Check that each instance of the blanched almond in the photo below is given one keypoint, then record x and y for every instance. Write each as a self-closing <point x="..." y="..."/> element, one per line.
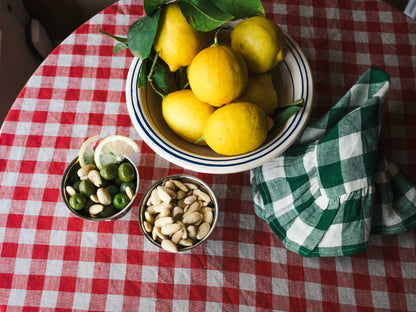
<point x="154" y="198"/>
<point x="202" y="195"/>
<point x="208" y="217"/>
<point x="104" y="196"/>
<point x="169" y="229"/>
<point x="190" y="185"/>
<point x="170" y="185"/>
<point x="70" y="190"/>
<point x="191" y="231"/>
<point x="203" y="230"/>
<point x="186" y="242"/>
<point x="180" y="194"/>
<point x="168" y="245"/>
<point x="177" y="236"/>
<point x="95" y="177"/>
<point x="194" y="207"/>
<point x="129" y="192"/>
<point x="157" y="233"/>
<point x="94" y="198"/>
<point x="163" y="221"/>
<point x="180" y="185"/>
<point x="147" y="226"/>
<point x="191" y="218"/>
<point x="190" y="199"/>
<point x="165" y="194"/>
<point x="95" y="209"/>
<point x="83" y="171"/>
<point x="177" y="212"/>
<point x="149" y="218"/>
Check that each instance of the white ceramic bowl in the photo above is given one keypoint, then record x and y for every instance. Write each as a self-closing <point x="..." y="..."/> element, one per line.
<point x="292" y="79"/>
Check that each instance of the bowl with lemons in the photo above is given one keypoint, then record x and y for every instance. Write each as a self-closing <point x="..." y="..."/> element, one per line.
<point x="102" y="182"/>
<point x="238" y="97"/>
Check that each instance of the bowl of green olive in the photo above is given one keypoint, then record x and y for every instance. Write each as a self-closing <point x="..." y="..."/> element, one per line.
<point x="100" y="194"/>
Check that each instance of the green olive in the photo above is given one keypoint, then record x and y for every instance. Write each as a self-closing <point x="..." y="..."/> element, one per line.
<point x="112" y="189"/>
<point x="120" y="200"/>
<point x="109" y="172"/>
<point x="126" y="172"/>
<point x="76" y="185"/>
<point x="87" y="188"/>
<point x="108" y="211"/>
<point x="117" y="181"/>
<point x="77" y="201"/>
<point x="124" y="185"/>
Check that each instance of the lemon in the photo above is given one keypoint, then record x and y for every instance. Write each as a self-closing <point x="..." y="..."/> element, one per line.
<point x="217" y="75"/>
<point x="86" y="152"/>
<point x="236" y="128"/>
<point x="261" y="42"/>
<point x="260" y="91"/>
<point x="186" y="115"/>
<point x="113" y="149"/>
<point x="176" y="41"/>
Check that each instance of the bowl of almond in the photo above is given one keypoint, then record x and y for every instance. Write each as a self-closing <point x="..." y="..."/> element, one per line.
<point x="178" y="213"/>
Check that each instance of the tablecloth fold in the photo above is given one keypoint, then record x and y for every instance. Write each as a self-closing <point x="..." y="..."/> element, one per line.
<point x="334" y="187"/>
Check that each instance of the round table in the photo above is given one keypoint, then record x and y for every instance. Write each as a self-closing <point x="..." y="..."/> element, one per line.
<point x="52" y="261"/>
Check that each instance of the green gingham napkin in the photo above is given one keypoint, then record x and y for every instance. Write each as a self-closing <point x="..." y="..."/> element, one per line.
<point x="334" y="187"/>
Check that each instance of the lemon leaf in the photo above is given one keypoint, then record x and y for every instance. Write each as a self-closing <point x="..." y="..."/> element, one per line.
<point x="141" y="35"/>
<point x="151" y="6"/>
<point x="119" y="46"/>
<point x="161" y="76"/>
<point x="282" y="114"/>
<point x="120" y="39"/>
<point x="203" y="15"/>
<point x="144" y="72"/>
<point x="241" y="8"/>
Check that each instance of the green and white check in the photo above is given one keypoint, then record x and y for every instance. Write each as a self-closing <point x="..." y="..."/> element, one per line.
<point x="334" y="186"/>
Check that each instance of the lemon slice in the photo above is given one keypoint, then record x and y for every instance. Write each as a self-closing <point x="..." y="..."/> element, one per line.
<point x="86" y="152"/>
<point x="114" y="149"/>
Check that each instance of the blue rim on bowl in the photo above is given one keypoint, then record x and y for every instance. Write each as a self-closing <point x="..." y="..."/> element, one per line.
<point x="293" y="80"/>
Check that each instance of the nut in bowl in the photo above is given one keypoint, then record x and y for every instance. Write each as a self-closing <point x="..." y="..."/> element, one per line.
<point x="178" y="213"/>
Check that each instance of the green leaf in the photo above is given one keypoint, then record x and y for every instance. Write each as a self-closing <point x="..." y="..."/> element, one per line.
<point x="151" y="6"/>
<point x="119" y="46"/>
<point x="144" y="72"/>
<point x="282" y="114"/>
<point x="241" y="8"/>
<point x="161" y="76"/>
<point x="203" y="15"/>
<point x="120" y="39"/>
<point x="141" y="35"/>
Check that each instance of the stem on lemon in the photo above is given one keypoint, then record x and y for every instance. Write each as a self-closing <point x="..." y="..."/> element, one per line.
<point x="297" y="102"/>
<point x="200" y="139"/>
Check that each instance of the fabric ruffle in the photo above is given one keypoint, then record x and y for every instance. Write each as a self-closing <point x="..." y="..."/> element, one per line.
<point x="333" y="188"/>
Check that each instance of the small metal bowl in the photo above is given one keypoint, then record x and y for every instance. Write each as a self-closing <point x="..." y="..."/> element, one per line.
<point x="183" y="178"/>
<point x="70" y="177"/>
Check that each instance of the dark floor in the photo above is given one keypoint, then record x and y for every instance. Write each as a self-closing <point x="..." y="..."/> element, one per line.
<point x="59" y="18"/>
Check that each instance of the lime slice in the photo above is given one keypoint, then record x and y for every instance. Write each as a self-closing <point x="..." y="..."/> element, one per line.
<point x="114" y="149"/>
<point x="86" y="152"/>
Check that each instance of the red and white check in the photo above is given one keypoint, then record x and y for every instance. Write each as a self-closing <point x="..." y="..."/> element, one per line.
<point x="52" y="261"/>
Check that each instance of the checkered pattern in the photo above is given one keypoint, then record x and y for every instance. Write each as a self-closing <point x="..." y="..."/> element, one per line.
<point x="324" y="198"/>
<point x="52" y="261"/>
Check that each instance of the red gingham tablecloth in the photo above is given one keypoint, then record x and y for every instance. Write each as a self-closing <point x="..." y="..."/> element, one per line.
<point x="53" y="261"/>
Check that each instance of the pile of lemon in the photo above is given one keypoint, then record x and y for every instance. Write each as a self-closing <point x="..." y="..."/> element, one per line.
<point x="231" y="95"/>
